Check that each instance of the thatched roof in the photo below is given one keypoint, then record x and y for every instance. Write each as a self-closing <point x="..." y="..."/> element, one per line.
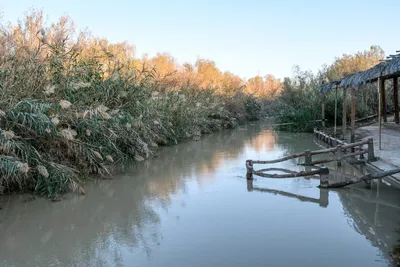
<point x="328" y="86"/>
<point x="392" y="67"/>
<point x="351" y="80"/>
<point x="383" y="69"/>
<point x="374" y="72"/>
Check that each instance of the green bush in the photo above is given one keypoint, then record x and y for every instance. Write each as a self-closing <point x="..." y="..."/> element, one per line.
<point x="299" y="106"/>
<point x="253" y="108"/>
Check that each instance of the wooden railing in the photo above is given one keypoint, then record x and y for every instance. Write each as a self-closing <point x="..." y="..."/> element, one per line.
<point x="347" y="150"/>
<point x="358" y="148"/>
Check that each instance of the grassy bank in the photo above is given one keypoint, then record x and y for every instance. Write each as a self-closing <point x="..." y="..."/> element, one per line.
<point x="67" y="114"/>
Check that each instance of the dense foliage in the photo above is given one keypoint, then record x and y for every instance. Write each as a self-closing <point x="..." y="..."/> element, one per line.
<point x="298" y="106"/>
<point x="75" y="106"/>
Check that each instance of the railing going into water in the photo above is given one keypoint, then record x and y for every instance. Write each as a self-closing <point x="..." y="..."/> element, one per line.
<point x="360" y="146"/>
<point x="354" y="149"/>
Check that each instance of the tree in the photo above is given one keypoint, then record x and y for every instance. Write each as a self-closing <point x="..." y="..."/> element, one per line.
<point x="164" y="65"/>
<point x="347" y="64"/>
<point x="208" y="75"/>
<point x="267" y="86"/>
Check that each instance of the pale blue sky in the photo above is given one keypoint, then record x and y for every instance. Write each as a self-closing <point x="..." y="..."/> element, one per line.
<point x="246" y="37"/>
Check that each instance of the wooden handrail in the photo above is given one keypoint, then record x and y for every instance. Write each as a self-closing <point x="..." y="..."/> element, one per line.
<point x="360" y="152"/>
<point x="357" y="150"/>
<point x="316" y="152"/>
<point x="332" y="140"/>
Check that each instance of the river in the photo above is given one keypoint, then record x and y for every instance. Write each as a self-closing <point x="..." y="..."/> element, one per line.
<point x="192" y="206"/>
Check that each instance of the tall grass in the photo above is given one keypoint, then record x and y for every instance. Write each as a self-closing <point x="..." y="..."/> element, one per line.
<point x="63" y="117"/>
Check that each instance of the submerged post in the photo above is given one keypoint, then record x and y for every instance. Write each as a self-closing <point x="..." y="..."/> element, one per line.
<point x="249" y="168"/>
<point x="308" y="157"/>
<point x="324" y="177"/>
<point x="250" y="185"/>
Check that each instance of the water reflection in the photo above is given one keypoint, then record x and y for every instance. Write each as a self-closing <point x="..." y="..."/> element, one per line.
<point x="323" y="199"/>
<point x="86" y="230"/>
<point x="265" y="141"/>
<point x="375" y="214"/>
<point x="190" y="202"/>
<point x="114" y="215"/>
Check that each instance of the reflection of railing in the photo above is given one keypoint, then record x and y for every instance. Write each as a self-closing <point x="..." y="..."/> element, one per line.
<point x="323" y="199"/>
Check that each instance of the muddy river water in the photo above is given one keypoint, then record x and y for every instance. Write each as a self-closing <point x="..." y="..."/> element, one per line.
<point x="192" y="206"/>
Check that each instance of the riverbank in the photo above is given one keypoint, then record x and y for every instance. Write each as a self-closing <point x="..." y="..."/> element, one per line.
<point x="50" y="148"/>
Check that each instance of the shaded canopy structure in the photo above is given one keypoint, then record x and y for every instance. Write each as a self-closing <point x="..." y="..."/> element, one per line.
<point x="387" y="69"/>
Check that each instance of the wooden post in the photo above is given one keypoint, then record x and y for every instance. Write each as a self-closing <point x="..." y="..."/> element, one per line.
<point x="250" y="185"/>
<point x="249" y="168"/>
<point x="344" y="113"/>
<point x="324" y="177"/>
<point x="383" y="99"/>
<point x="308" y="157"/>
<point x="323" y="111"/>
<point x="338" y="161"/>
<point x="362" y="155"/>
<point x="334" y="128"/>
<point x="396" y="100"/>
<point x="371" y="154"/>
<point x="353" y="115"/>
<point x="380" y="111"/>
<point x="368" y="184"/>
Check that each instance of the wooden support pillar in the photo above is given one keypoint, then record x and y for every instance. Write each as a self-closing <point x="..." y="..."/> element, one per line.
<point x="344" y="120"/>
<point x="353" y="115"/>
<point x="308" y="157"/>
<point x="396" y="99"/>
<point x="383" y="99"/>
<point x="380" y="111"/>
<point x="323" y="111"/>
<point x="371" y="154"/>
<point x="334" y="128"/>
